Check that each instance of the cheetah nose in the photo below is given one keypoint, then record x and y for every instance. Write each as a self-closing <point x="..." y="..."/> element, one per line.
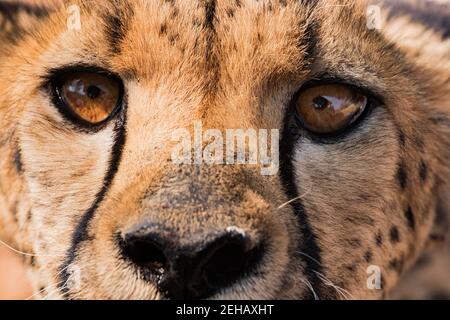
<point x="193" y="271"/>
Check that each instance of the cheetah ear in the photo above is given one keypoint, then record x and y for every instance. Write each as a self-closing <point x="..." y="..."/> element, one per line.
<point x="18" y="16"/>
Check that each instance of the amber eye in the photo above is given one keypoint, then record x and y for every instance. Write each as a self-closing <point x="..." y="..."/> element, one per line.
<point x="91" y="97"/>
<point x="325" y="109"/>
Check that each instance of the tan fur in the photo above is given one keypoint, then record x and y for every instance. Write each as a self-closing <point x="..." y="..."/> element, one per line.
<point x="240" y="73"/>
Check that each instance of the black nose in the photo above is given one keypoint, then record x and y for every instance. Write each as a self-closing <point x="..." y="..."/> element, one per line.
<point x="192" y="271"/>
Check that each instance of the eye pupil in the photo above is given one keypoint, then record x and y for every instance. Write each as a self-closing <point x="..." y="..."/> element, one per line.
<point x="93" y="92"/>
<point x="320" y="103"/>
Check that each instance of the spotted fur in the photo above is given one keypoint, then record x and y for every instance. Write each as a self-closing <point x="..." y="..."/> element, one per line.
<point x="368" y="197"/>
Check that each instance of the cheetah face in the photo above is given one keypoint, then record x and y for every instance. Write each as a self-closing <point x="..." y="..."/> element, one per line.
<point x="91" y="115"/>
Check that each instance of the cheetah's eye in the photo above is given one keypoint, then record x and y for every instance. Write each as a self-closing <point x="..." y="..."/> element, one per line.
<point x="90" y="97"/>
<point x="326" y="109"/>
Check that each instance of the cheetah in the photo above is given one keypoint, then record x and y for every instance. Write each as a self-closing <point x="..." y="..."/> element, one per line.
<point x="93" y="91"/>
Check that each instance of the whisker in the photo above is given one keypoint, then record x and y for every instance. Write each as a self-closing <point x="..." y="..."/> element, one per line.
<point x="37" y="293"/>
<point x="308" y="256"/>
<point x="41" y="291"/>
<point x="52" y="285"/>
<point x="295" y="199"/>
<point x="29" y="254"/>
<point x="309" y="285"/>
<point x="344" y="293"/>
<point x="56" y="290"/>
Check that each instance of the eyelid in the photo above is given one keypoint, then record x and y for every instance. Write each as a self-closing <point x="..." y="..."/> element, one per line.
<point x="373" y="92"/>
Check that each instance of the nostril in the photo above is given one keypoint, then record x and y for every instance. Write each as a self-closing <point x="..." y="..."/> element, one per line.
<point x="195" y="272"/>
<point x="229" y="262"/>
<point x="147" y="254"/>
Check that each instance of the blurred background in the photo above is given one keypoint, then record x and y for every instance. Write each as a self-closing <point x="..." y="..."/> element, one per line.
<point x="13" y="283"/>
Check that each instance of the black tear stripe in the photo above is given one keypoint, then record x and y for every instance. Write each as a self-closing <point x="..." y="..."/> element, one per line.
<point x="81" y="232"/>
<point x="308" y="245"/>
<point x="289" y="137"/>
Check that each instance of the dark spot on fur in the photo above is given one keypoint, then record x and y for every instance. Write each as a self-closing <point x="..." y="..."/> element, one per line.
<point x="440" y="120"/>
<point x="117" y="24"/>
<point x="210" y="11"/>
<point x="351" y="268"/>
<point x="174" y="13"/>
<point x="393" y="264"/>
<point x="114" y="33"/>
<point x="402" y="176"/>
<point x="394" y="235"/>
<point x="173" y="38"/>
<point x="354" y="242"/>
<point x="18" y="161"/>
<point x="230" y="12"/>
<point x="402" y="138"/>
<point x="437" y="238"/>
<point x="397" y="264"/>
<point x="423" y="171"/>
<point x="379" y="239"/>
<point x="163" y="29"/>
<point x="368" y="256"/>
<point x="32" y="261"/>
<point x="382" y="282"/>
<point x="259" y="37"/>
<point x="364" y="196"/>
<point x="410" y="217"/>
<point x="29" y="215"/>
